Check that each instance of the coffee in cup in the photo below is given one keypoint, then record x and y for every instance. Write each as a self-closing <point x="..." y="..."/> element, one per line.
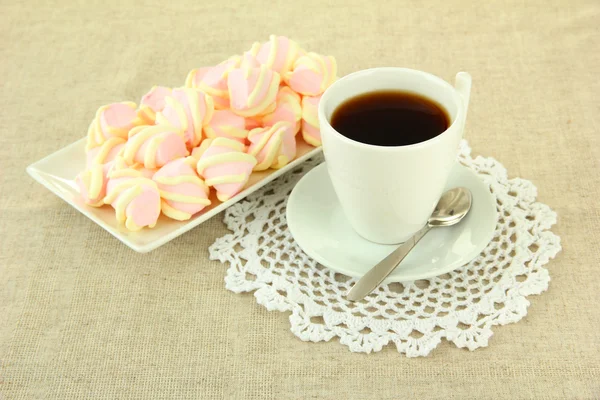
<point x="390" y="118"/>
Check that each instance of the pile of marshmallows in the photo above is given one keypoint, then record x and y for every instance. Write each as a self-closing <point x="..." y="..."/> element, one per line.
<point x="239" y="116"/>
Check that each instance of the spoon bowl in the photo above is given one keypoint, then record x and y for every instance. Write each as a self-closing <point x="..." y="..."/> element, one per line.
<point x="451" y="208"/>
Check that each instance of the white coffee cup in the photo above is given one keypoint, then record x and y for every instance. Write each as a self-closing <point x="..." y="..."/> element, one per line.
<point x="388" y="193"/>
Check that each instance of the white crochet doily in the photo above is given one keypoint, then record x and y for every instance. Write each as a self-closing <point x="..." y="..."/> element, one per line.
<point x="461" y="306"/>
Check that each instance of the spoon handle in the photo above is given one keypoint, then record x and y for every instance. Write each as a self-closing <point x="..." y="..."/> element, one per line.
<point x="379" y="272"/>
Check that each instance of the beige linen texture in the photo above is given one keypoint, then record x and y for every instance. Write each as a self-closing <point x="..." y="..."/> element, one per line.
<point x="84" y="317"/>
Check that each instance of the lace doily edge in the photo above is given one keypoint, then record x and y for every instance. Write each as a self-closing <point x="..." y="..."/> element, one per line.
<point x="380" y="334"/>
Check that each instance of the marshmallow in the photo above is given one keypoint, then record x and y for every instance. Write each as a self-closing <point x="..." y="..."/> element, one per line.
<point x="112" y="120"/>
<point x="312" y="74"/>
<point x="153" y="102"/>
<point x="224" y="165"/>
<point x="154" y="145"/>
<point x="92" y="184"/>
<point x="225" y="123"/>
<point x="278" y="54"/>
<point x="274" y="146"/>
<point x="136" y="199"/>
<point x="252" y="91"/>
<point x="182" y="192"/>
<point x="188" y="110"/>
<point x="287" y="108"/>
<point x="213" y="81"/>
<point x="310" y="121"/>
<point x="106" y="152"/>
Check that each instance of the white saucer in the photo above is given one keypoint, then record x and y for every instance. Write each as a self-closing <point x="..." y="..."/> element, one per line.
<point x="318" y="225"/>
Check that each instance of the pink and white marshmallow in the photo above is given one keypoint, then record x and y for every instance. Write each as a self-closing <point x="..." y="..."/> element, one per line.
<point x="287" y="108"/>
<point x="106" y="152"/>
<point x="92" y="183"/>
<point x="278" y="54"/>
<point x="112" y="120"/>
<point x="312" y="74"/>
<point x="188" y="110"/>
<point x="136" y="199"/>
<point x="213" y="81"/>
<point x="225" y="123"/>
<point x="311" y="132"/>
<point x="273" y="146"/>
<point x="182" y="192"/>
<point x="152" y="103"/>
<point x="252" y="91"/>
<point x="154" y="145"/>
<point x="194" y="77"/>
<point x="224" y="165"/>
<point x="249" y="59"/>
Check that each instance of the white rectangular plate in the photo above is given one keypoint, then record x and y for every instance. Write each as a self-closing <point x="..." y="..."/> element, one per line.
<point x="58" y="171"/>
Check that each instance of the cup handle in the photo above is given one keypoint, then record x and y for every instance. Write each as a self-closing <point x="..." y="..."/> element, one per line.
<point x="462" y="84"/>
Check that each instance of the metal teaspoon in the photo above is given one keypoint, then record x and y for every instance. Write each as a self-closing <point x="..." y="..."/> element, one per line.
<point x="450" y="210"/>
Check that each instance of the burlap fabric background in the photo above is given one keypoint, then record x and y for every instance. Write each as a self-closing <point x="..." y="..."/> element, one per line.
<point x="82" y="316"/>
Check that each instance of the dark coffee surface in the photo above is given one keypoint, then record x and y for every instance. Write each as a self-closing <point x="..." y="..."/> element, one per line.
<point x="390" y="118"/>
